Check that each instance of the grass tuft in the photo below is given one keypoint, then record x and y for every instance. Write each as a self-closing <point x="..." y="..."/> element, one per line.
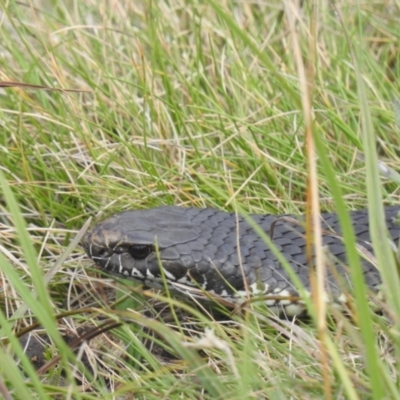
<point x="197" y="104"/>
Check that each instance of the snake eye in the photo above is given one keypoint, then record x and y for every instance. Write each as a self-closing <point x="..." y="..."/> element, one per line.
<point x="139" y="252"/>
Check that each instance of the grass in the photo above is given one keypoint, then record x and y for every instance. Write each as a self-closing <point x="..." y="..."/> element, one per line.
<point x="197" y="104"/>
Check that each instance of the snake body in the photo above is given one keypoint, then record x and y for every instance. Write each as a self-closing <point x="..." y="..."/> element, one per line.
<point x="222" y="254"/>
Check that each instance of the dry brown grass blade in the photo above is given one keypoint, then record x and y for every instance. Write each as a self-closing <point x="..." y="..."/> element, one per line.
<point x="11" y="84"/>
<point x="78" y="340"/>
<point x="314" y="231"/>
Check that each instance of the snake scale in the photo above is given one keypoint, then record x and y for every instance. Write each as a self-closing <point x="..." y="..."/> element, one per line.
<point x="221" y="254"/>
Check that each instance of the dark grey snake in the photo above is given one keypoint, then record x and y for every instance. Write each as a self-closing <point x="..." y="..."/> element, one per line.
<point x="198" y="250"/>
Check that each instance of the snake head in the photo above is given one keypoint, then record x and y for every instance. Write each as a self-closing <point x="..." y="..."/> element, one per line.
<point x="133" y="244"/>
<point x="188" y="246"/>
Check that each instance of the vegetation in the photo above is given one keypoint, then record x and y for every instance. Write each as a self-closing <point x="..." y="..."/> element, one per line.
<point x="205" y="104"/>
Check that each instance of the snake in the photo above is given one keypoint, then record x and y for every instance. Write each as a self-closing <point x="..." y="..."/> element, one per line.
<point x="224" y="255"/>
